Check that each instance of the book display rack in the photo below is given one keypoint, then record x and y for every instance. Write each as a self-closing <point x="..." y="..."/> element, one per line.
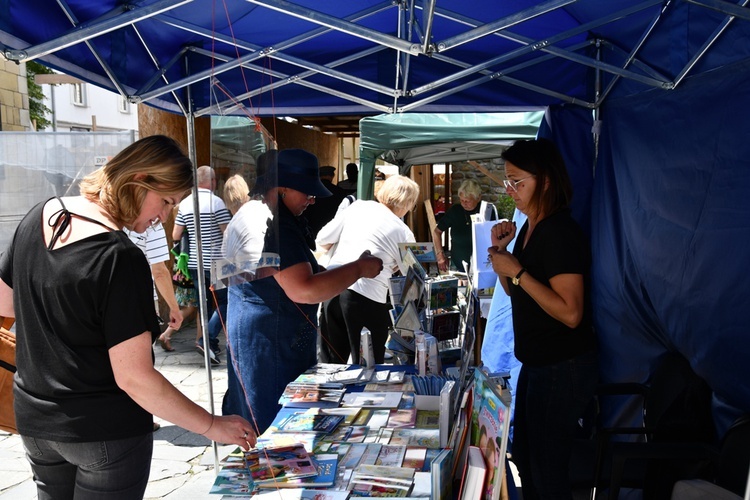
<point x="382" y="439"/>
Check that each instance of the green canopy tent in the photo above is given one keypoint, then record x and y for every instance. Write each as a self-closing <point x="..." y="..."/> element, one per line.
<point x="420" y="138"/>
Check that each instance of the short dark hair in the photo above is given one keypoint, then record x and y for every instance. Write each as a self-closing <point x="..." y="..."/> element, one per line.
<point x="541" y="158"/>
<point x="352" y="171"/>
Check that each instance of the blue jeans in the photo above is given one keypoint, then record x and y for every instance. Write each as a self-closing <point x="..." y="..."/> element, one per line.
<point x="116" y="469"/>
<point x="549" y="401"/>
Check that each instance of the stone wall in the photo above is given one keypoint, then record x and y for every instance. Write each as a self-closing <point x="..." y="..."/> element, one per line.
<point x="14" y="97"/>
<point x="492" y="189"/>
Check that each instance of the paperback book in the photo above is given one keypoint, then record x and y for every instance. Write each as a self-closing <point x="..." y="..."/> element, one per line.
<point x="310" y="422"/>
<point x="372" y="399"/>
<point x="326" y="465"/>
<point x="426" y="438"/>
<point x="381" y="481"/>
<point x="274" y="463"/>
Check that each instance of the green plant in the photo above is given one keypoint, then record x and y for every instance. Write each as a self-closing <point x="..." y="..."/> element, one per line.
<point x="505" y="207"/>
<point x="37" y="108"/>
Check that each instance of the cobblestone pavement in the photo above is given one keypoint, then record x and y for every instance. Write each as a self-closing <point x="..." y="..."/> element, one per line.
<point x="183" y="463"/>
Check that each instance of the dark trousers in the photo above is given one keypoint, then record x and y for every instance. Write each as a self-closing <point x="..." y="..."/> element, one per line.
<point x="116" y="469"/>
<point x="341" y="321"/>
<point x="549" y="401"/>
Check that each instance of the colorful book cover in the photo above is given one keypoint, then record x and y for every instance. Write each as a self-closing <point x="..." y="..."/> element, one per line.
<point x="430" y="456"/>
<point x="491" y="422"/>
<point x="303" y="494"/>
<point x="402" y="418"/>
<point x="284" y="462"/>
<point x="443" y="293"/>
<point x="310" y="422"/>
<point x="423" y="251"/>
<point x="349" y="414"/>
<point x="326" y="465"/>
<point x="233" y="482"/>
<point x="427" y="438"/>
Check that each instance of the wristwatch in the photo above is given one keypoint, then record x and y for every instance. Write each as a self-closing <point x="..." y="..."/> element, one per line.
<point x="515" y="280"/>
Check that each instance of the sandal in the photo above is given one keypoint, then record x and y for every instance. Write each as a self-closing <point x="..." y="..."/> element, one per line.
<point x="165" y="343"/>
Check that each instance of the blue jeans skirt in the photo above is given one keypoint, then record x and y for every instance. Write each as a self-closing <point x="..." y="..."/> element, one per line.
<point x="271" y="341"/>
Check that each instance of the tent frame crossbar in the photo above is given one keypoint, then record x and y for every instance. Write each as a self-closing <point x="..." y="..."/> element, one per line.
<point x="114" y="20"/>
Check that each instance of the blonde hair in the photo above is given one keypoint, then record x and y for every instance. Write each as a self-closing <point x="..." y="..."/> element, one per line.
<point x="398" y="193"/>
<point x="160" y="165"/>
<point x="470" y="188"/>
<point x="236" y="193"/>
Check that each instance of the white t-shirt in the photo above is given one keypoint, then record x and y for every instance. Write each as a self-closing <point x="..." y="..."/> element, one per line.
<point x="367" y="225"/>
<point x="153" y="244"/>
<point x="243" y="238"/>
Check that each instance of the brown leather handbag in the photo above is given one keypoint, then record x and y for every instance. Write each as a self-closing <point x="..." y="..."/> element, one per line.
<point x="7" y="369"/>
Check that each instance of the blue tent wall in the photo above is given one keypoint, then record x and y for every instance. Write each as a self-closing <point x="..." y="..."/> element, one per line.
<point x="671" y="238"/>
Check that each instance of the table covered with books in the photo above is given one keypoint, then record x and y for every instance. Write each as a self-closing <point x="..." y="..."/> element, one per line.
<point x="347" y="431"/>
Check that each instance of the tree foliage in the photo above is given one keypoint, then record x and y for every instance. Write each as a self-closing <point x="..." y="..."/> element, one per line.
<point x="37" y="108"/>
<point x="505" y="207"/>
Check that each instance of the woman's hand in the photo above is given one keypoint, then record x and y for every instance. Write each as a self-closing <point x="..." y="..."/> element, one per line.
<point x="502" y="234"/>
<point x="503" y="262"/>
<point x="369" y="265"/>
<point x="231" y="429"/>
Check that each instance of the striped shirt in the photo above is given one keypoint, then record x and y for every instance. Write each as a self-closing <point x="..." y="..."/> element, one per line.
<point x="153" y="243"/>
<point x="213" y="214"/>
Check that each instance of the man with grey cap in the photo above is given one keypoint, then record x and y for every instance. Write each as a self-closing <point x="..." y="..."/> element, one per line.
<point x="273" y="336"/>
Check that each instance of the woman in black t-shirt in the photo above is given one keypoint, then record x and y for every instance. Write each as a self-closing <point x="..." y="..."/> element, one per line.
<point x="548" y="280"/>
<point x="82" y="295"/>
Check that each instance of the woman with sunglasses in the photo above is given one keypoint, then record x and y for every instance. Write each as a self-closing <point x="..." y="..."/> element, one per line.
<point x="548" y="280"/>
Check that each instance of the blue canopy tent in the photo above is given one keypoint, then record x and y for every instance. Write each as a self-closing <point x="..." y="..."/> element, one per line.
<point x="646" y="98"/>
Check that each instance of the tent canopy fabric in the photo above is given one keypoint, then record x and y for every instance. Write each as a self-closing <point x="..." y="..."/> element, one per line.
<point x="305" y="57"/>
<point x="663" y="181"/>
<point x="408" y="139"/>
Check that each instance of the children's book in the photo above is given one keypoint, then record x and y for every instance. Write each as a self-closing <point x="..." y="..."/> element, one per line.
<point x="424" y="251"/>
<point x="310" y="422"/>
<point x="372" y="399"/>
<point x="490" y="419"/>
<point x="326" y="465"/>
<point x="284" y="462"/>
<point x="381" y="481"/>
<point x="443" y="293"/>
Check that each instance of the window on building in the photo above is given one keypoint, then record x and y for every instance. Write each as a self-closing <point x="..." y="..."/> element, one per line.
<point x="124" y="105"/>
<point x="79" y="94"/>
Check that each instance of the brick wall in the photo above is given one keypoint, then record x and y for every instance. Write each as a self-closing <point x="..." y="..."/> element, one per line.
<point x="14" y="97"/>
